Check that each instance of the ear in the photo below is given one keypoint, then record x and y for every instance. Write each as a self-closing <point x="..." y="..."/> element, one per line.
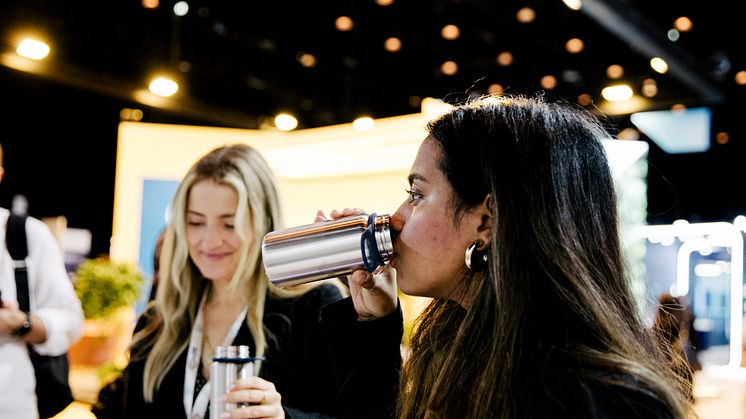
<point x="486" y="215"/>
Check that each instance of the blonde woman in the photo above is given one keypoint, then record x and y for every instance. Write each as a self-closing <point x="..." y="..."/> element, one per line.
<point x="213" y="292"/>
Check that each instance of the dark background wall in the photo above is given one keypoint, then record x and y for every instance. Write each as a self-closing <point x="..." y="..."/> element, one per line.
<point x="59" y="148"/>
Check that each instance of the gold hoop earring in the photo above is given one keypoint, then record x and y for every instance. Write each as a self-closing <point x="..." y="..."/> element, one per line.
<point x="475" y="259"/>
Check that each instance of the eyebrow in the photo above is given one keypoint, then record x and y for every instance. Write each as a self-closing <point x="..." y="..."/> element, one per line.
<point x="192" y="212"/>
<point x="416" y="176"/>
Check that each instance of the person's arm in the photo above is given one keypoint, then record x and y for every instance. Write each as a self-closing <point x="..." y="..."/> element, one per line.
<point x="56" y="314"/>
<point x="23" y="326"/>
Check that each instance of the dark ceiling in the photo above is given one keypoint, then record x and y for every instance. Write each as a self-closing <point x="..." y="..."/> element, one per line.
<point x="239" y="63"/>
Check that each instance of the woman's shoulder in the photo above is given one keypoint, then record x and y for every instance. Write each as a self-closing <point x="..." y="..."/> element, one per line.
<point x="618" y="398"/>
<point x="622" y="401"/>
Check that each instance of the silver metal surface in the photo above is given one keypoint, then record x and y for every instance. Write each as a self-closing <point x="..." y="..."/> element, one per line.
<point x="231" y="374"/>
<point x="230" y="364"/>
<point x="322" y="250"/>
<point x="218" y="380"/>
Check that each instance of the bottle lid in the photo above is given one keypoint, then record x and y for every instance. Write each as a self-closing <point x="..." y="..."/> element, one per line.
<point x="243" y="351"/>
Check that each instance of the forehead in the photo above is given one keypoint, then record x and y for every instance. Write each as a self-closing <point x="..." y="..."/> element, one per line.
<point x="427" y="162"/>
<point x="207" y="195"/>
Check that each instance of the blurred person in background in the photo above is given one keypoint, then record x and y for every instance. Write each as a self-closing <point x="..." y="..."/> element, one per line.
<point x="53" y="323"/>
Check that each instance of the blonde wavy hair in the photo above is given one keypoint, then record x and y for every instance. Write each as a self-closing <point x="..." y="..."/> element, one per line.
<point x="180" y="288"/>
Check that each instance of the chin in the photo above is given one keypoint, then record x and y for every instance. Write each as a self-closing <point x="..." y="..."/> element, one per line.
<point x="214" y="275"/>
<point x="407" y="287"/>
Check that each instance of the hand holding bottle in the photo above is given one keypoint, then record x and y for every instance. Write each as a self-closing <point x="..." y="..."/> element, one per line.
<point x="373" y="294"/>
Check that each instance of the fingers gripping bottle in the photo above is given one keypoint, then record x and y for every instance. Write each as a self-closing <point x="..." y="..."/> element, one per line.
<point x="229" y="364"/>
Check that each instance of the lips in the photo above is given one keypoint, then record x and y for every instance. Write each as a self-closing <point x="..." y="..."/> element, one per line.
<point x="391" y="260"/>
<point x="215" y="256"/>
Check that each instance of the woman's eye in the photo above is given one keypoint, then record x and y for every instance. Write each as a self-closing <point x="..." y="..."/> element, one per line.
<point x="195" y="223"/>
<point x="229" y="226"/>
<point x="413" y="196"/>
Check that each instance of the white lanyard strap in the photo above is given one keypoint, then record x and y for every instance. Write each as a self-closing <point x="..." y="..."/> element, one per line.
<point x="198" y="409"/>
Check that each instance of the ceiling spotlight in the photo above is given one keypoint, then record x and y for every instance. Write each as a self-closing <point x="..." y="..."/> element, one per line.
<point x="659" y="64"/>
<point x="450" y="32"/>
<point x="344" y="24"/>
<point x="548" y="82"/>
<point x="722" y="138"/>
<point x="573" y="4"/>
<point x="505" y="58"/>
<point x="184" y="66"/>
<point x="31" y="48"/>
<point x="128" y="114"/>
<point x="392" y="44"/>
<point x="525" y="15"/>
<point x="741" y="77"/>
<point x="649" y="88"/>
<point x="181" y="8"/>
<point x="584" y="99"/>
<point x="673" y="35"/>
<point x="150" y="4"/>
<point x="163" y="86"/>
<point x="364" y="123"/>
<point x="306" y="60"/>
<point x="614" y="71"/>
<point x="617" y="93"/>
<point x="683" y="24"/>
<point x="449" y="68"/>
<point x="495" y="89"/>
<point x="384" y="2"/>
<point x="574" y="45"/>
<point x="285" y="122"/>
<point x="572" y="76"/>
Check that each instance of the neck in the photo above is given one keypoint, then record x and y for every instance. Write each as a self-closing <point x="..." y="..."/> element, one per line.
<point x="220" y="294"/>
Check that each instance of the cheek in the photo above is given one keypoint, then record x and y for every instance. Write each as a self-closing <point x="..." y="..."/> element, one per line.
<point x="434" y="238"/>
<point x="439" y="233"/>
<point x="234" y="242"/>
<point x="192" y="236"/>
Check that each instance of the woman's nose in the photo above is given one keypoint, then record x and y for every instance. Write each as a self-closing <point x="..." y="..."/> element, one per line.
<point x="213" y="237"/>
<point x="398" y="219"/>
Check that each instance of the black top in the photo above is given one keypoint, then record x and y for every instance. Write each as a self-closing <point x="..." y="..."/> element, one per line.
<point x="575" y="397"/>
<point x="341" y="367"/>
<point x="338" y="367"/>
<point x="566" y="389"/>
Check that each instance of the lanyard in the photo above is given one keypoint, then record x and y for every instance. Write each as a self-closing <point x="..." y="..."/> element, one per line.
<point x="194" y="354"/>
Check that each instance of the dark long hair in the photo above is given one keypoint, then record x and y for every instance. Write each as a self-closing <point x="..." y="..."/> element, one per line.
<point x="553" y="306"/>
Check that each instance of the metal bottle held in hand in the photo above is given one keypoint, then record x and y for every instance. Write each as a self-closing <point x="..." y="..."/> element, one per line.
<point x="229" y="364"/>
<point x="327" y="249"/>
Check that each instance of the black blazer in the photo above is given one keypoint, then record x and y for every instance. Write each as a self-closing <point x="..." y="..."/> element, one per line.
<point x="333" y="367"/>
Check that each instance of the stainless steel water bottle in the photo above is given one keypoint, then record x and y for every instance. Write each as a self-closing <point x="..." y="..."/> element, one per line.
<point x="327" y="249"/>
<point x="218" y="381"/>
<point x="229" y="364"/>
<point x="231" y="371"/>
